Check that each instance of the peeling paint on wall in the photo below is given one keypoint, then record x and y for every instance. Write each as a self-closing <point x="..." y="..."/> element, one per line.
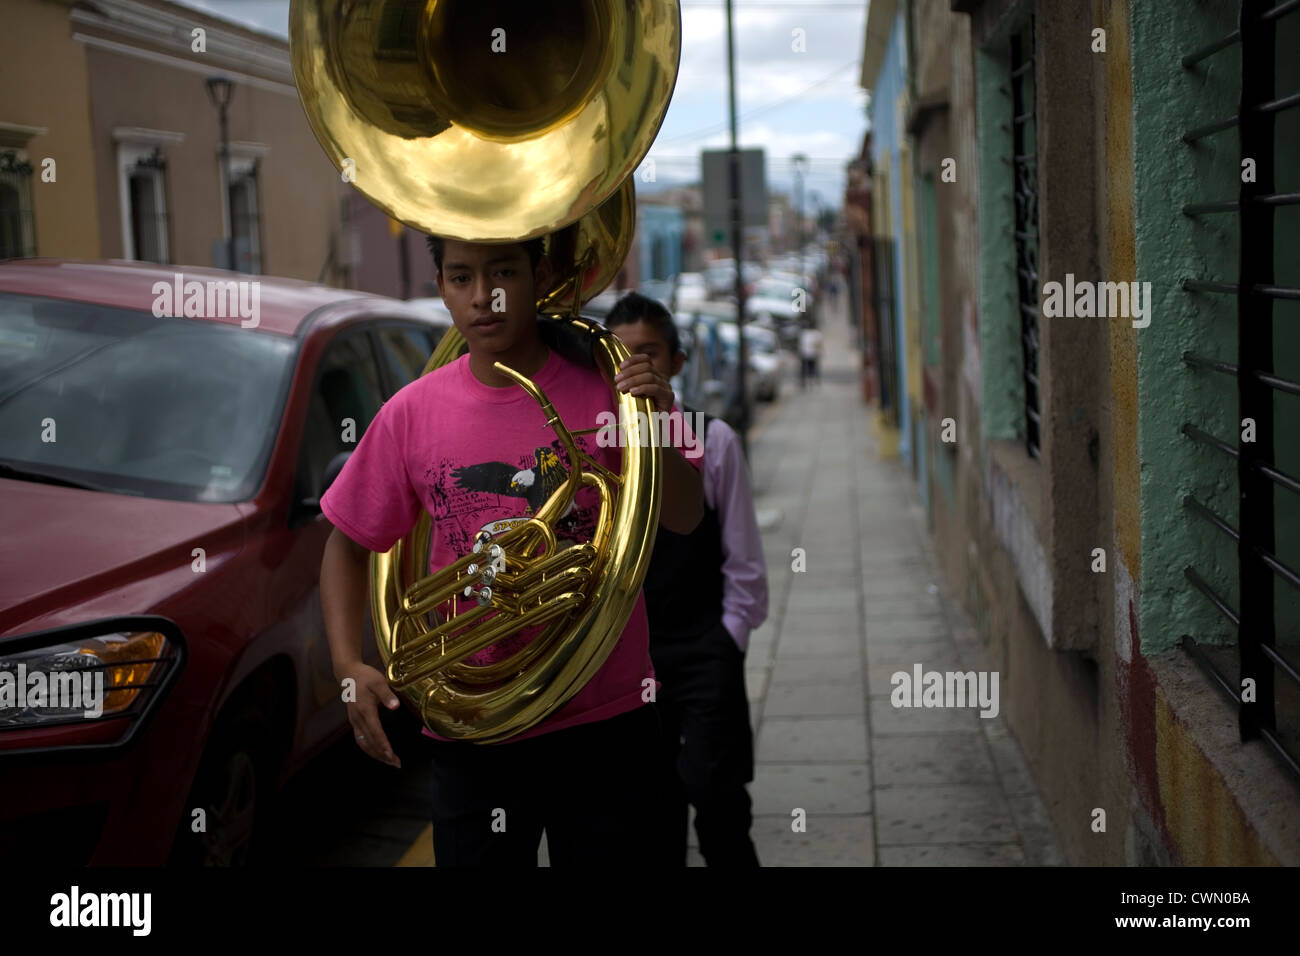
<point x="1015" y="529"/>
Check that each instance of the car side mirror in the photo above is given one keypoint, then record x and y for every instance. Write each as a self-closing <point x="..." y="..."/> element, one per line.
<point x="332" y="471"/>
<point x="312" y="505"/>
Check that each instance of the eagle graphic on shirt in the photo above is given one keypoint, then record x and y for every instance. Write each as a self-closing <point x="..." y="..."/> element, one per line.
<point x="532" y="482"/>
<point x="535" y="485"/>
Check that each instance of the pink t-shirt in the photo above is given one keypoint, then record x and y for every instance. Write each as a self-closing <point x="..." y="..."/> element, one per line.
<point x="474" y="456"/>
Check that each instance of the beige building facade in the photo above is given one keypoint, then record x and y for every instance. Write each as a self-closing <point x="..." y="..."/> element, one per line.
<point x="116" y="94"/>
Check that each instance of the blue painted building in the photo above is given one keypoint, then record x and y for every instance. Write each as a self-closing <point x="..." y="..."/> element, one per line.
<point x="885" y="72"/>
<point x="660" y="231"/>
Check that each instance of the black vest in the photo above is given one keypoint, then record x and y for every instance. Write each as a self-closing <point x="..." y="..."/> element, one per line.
<point x="683" y="586"/>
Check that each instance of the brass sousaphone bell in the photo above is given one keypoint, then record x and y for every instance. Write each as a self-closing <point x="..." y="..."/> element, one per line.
<point x="503" y="122"/>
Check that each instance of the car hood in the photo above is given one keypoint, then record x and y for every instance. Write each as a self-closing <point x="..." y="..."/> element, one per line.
<point x="762" y="303"/>
<point x="72" y="554"/>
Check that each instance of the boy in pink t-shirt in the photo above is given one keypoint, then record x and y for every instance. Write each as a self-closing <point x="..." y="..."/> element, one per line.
<point x="474" y="450"/>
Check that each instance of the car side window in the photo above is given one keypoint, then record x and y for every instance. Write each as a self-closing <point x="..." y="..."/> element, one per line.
<point x="347" y="390"/>
<point x="406" y="349"/>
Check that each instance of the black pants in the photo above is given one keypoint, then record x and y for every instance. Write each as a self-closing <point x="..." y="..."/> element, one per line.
<point x="707" y="750"/>
<point x="808" y="371"/>
<point x="591" y="787"/>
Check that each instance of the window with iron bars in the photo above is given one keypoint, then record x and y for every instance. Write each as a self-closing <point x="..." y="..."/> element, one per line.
<point x="884" y="302"/>
<point x="243" y="198"/>
<point x="17" y="230"/>
<point x="147" y="208"/>
<point x="1024" y="131"/>
<point x="1262" y="388"/>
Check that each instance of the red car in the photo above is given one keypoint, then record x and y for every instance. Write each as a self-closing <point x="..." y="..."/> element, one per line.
<point x="160" y="526"/>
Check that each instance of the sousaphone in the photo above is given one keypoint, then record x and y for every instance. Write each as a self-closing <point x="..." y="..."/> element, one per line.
<point x="503" y="122"/>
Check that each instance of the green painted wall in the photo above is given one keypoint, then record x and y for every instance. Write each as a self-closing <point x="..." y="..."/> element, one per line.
<point x="1168" y="100"/>
<point x="945" y="471"/>
<point x="1003" y="400"/>
<point x="1286" y="324"/>
<point x="930" y="269"/>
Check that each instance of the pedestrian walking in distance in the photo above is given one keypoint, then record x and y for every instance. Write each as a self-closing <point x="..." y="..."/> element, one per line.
<point x="810" y="350"/>
<point x="705" y="591"/>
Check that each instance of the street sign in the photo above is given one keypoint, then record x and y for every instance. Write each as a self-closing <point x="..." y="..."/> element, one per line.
<point x="716" y="186"/>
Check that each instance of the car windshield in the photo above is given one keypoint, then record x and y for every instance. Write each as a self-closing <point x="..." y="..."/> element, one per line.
<point x="118" y="400"/>
<point x="755" y="339"/>
<point x="716" y="310"/>
<point x="773" y="289"/>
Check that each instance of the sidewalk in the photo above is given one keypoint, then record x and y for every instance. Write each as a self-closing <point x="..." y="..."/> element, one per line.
<point x="879" y="785"/>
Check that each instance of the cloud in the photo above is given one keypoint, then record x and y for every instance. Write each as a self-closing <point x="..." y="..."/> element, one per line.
<point x="266" y="17"/>
<point x="824" y="118"/>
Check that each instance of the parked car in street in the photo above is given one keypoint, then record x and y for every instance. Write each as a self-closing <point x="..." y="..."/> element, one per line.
<point x="160" y="480"/>
<point x="599" y="306"/>
<point x="782" y="264"/>
<point x="661" y="290"/>
<point x="766" y="360"/>
<point x="720" y="276"/>
<point x="689" y="289"/>
<point x="790" y="279"/>
<point x="435" y="307"/>
<point x="776" y="304"/>
<point x="706" y="320"/>
<point x="701" y="384"/>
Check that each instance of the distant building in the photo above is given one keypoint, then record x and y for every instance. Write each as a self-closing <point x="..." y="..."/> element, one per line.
<point x="110" y="148"/>
<point x="885" y="73"/>
<point x="860" y="269"/>
<point x="661" y="231"/>
<point x="782" y="224"/>
<point x="689" y="201"/>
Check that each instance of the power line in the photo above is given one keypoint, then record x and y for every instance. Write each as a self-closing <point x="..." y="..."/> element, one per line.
<point x="820" y="165"/>
<point x="719" y="127"/>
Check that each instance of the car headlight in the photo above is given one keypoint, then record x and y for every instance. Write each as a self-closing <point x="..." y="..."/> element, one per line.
<point x="114" y="668"/>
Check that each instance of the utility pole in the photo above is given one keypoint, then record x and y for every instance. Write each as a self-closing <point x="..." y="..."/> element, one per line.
<point x="737" y="246"/>
<point x="800" y="162"/>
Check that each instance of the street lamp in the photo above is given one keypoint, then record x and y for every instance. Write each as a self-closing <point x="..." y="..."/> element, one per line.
<point x="800" y="163"/>
<point x="220" y="89"/>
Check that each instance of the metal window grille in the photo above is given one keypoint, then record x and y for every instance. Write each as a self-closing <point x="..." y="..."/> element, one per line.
<point x="883" y="301"/>
<point x="1024" y="132"/>
<point x="1256" y="290"/>
<point x="148" y="207"/>
<point x="17" y="227"/>
<point x="247" y="227"/>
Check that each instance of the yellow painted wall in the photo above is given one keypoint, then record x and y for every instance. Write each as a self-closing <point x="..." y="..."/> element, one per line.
<point x="1204" y="821"/>
<point x="45" y="76"/>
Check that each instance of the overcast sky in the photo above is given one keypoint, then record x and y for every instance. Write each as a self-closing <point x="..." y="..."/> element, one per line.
<point x="789" y="102"/>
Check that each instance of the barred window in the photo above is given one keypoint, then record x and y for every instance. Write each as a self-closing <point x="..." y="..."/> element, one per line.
<point x="244" y="200"/>
<point x="17" y="230"/>
<point x="144" y="212"/>
<point x="1024" y="130"/>
<point x="1264" y="449"/>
